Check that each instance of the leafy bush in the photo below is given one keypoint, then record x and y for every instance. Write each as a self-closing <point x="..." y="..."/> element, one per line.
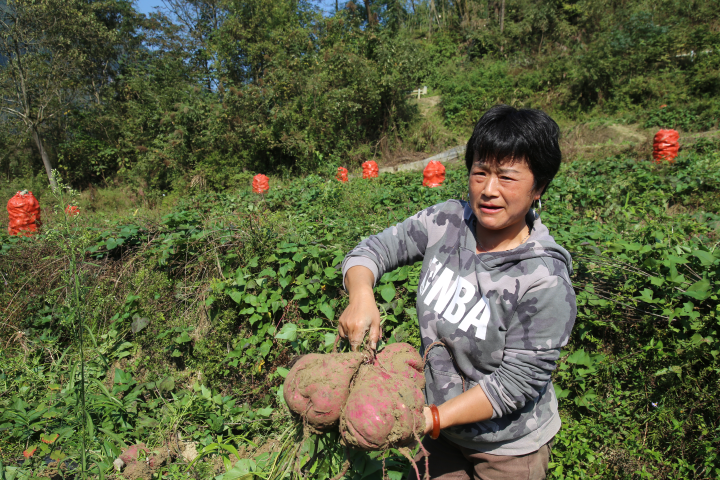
<point x="194" y="316"/>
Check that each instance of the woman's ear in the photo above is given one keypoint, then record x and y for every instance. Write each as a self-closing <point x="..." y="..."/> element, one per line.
<point x="539" y="191"/>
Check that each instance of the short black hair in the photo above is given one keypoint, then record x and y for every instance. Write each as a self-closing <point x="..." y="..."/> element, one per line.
<point x="505" y="132"/>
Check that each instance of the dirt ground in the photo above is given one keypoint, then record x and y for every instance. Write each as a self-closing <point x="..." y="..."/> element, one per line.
<point x="137" y="471"/>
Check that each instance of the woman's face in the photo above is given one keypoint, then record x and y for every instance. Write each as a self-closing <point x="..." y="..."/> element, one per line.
<point x="501" y="193"/>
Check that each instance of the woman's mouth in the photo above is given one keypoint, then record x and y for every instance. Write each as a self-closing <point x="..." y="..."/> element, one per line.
<point x="490" y="209"/>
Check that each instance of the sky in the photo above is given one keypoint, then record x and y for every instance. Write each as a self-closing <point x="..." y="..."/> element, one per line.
<point x="148" y="6"/>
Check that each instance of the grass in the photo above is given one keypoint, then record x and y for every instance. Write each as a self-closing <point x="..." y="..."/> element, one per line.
<point x="193" y="307"/>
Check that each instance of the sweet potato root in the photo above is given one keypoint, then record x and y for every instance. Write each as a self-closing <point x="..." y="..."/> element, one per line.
<point x="384" y="409"/>
<point x="404" y="360"/>
<point x="317" y="387"/>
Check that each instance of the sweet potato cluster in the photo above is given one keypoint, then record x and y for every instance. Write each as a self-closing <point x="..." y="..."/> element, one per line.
<point x="376" y="402"/>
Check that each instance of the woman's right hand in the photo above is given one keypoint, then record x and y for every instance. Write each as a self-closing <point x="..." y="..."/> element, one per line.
<point x="362" y="314"/>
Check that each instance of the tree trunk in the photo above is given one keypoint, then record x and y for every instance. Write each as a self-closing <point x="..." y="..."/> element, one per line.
<point x="502" y="16"/>
<point x="369" y="15"/>
<point x="433" y="12"/>
<point x="24" y="99"/>
<point x="461" y="8"/>
<point x="45" y="157"/>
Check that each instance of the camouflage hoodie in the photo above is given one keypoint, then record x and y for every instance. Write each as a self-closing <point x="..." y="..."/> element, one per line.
<point x="502" y="318"/>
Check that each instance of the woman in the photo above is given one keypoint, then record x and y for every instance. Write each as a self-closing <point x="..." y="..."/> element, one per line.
<point x="495" y="303"/>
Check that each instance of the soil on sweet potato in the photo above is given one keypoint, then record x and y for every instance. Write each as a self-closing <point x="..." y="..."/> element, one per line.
<point x="384" y="410"/>
<point x="317" y="387"/>
<point x="404" y="360"/>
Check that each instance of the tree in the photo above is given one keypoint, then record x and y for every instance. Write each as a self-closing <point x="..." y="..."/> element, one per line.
<point x="55" y="51"/>
<point x="198" y="21"/>
<point x="256" y="31"/>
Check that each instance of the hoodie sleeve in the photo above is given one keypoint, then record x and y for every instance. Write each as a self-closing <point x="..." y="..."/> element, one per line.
<point x="539" y="328"/>
<point x="399" y="245"/>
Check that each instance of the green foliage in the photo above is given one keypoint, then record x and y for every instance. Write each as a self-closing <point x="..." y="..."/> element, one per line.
<point x="56" y="56"/>
<point x="193" y="331"/>
<point x="646" y="275"/>
<point x="299" y="88"/>
<point x="587" y="58"/>
<point x="208" y="92"/>
<point x="168" y="312"/>
<point x="464" y="98"/>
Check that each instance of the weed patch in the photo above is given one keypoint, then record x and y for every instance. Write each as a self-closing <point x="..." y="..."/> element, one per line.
<point x="193" y="318"/>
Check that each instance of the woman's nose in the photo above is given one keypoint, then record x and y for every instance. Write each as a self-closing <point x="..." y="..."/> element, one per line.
<point x="491" y="187"/>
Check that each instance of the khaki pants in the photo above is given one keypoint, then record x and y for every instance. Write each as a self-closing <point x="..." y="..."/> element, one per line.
<point x="449" y="461"/>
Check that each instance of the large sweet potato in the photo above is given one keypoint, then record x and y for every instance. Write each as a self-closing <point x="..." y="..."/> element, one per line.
<point x="318" y="385"/>
<point x="404" y="360"/>
<point x="384" y="409"/>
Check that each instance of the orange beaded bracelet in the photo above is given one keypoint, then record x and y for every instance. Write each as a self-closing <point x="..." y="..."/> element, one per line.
<point x="436" y="422"/>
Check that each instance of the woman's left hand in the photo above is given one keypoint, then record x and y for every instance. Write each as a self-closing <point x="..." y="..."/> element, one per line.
<point x="428" y="420"/>
<point x="470" y="406"/>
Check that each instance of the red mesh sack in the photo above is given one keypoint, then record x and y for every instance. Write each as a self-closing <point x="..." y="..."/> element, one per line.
<point x="666" y="145"/>
<point x="370" y="169"/>
<point x="261" y="183"/>
<point x="72" y="211"/>
<point x="434" y="174"/>
<point x="342" y="174"/>
<point x="24" y="212"/>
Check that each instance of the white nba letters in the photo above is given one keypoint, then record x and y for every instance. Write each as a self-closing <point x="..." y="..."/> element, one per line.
<point x="443" y="286"/>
